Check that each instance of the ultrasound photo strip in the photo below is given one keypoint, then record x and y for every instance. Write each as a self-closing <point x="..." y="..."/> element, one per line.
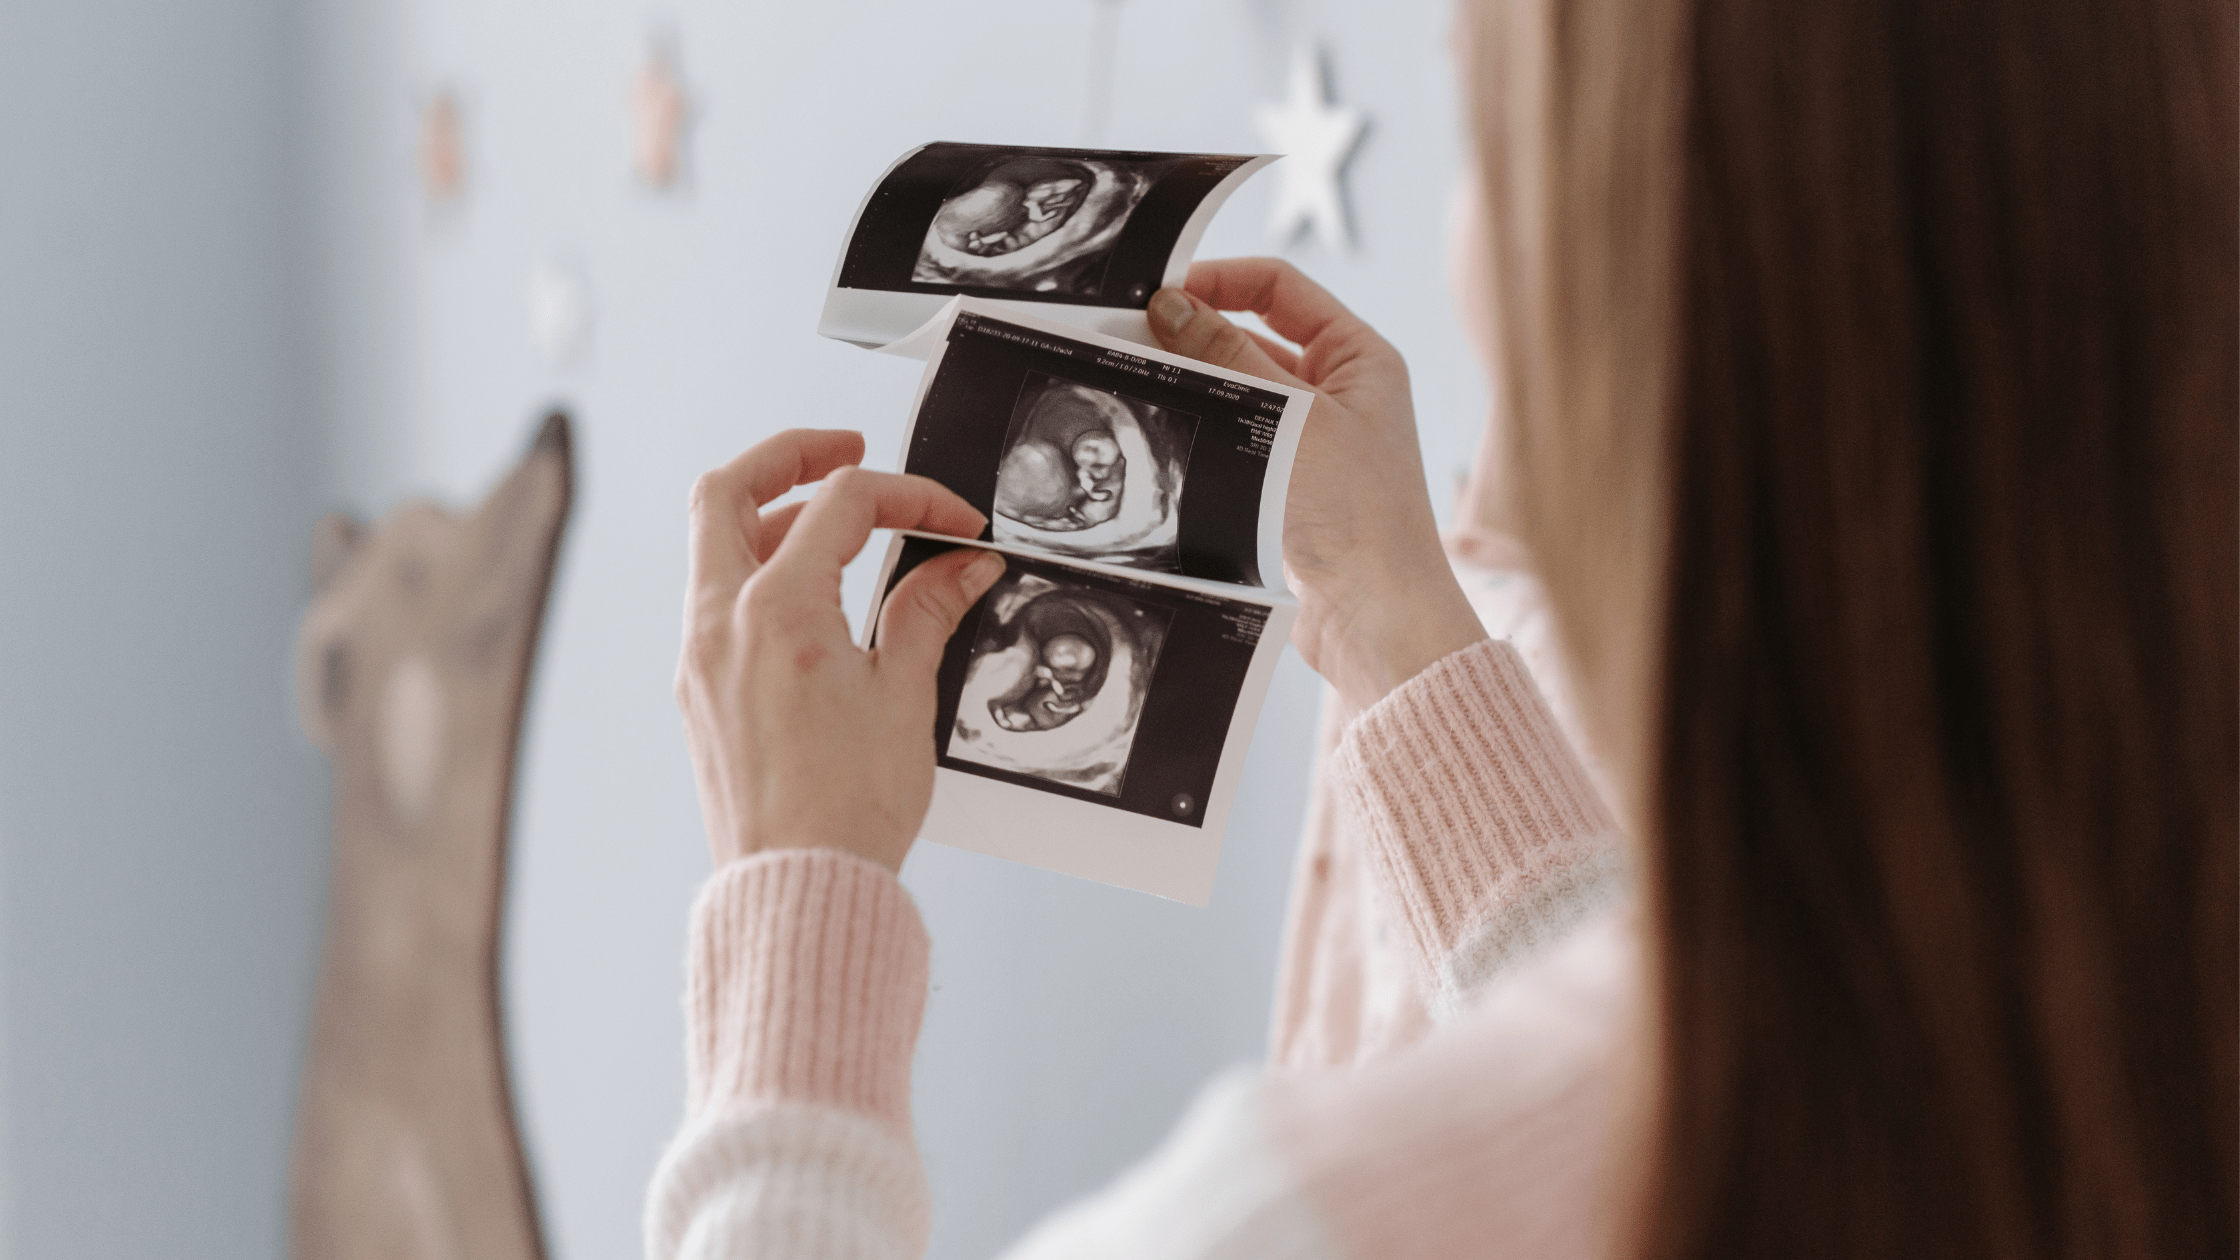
<point x="1083" y="447"/>
<point x="1096" y="705"/>
<point x="1083" y="235"/>
<point x="1093" y="720"/>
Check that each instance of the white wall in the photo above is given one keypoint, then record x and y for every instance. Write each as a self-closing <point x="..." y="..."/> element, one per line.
<point x="162" y="827"/>
<point x="239" y="234"/>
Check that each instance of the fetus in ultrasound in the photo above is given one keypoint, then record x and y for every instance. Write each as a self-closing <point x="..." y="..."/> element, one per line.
<point x="1064" y="470"/>
<point x="1088" y="473"/>
<point x="1034" y="223"/>
<point x="1099" y="470"/>
<point x="1057" y="680"/>
<point x="1006" y="212"/>
<point x="1072" y="651"/>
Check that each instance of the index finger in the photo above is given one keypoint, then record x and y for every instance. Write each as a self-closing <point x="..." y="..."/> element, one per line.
<point x="853" y="502"/>
<point x="1296" y="308"/>
<point x="726" y="502"/>
<point x="795" y="457"/>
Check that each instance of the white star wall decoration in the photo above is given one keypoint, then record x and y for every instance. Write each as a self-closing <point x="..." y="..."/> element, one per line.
<point x="1315" y="137"/>
<point x="561" y="310"/>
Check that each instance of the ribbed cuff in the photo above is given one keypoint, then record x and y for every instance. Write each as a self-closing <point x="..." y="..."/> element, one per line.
<point x="1476" y="814"/>
<point x="807" y="982"/>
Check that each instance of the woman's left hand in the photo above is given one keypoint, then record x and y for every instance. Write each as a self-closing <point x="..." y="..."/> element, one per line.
<point x="1378" y="601"/>
<point x="799" y="738"/>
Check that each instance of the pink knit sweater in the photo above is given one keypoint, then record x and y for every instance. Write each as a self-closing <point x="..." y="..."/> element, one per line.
<point x="1457" y="983"/>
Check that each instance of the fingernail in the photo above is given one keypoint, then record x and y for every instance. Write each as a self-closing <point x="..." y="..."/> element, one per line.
<point x="984" y="571"/>
<point x="1171" y="309"/>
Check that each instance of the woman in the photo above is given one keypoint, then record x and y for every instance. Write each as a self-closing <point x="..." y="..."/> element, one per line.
<point x="1872" y="379"/>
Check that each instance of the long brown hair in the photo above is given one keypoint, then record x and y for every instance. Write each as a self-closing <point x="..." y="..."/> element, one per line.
<point x="1876" y="376"/>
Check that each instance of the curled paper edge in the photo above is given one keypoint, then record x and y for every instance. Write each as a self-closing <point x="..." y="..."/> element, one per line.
<point x="868" y="317"/>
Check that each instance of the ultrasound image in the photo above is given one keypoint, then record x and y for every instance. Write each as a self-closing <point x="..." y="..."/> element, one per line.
<point x="1091" y="474"/>
<point x="1033" y="223"/>
<point x="1056" y="681"/>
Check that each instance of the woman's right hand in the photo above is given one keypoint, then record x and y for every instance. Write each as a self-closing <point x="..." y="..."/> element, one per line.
<point x="799" y="738"/>
<point x="1378" y="601"/>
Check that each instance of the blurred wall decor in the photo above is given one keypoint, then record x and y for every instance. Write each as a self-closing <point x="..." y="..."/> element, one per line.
<point x="563" y="310"/>
<point x="412" y="673"/>
<point x="1317" y="138"/>
<point x="443" y="148"/>
<point x="660" y="113"/>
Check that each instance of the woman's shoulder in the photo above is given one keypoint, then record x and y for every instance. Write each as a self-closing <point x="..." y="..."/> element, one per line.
<point x="1491" y="1130"/>
<point x="1495" y="1127"/>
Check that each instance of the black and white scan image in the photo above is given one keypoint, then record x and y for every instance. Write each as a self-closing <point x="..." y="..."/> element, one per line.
<point x="1092" y="474"/>
<point x="1037" y="223"/>
<point x="1056" y="682"/>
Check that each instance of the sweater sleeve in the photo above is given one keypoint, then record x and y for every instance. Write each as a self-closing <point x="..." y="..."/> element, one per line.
<point x="1480" y="824"/>
<point x="807" y="982"/>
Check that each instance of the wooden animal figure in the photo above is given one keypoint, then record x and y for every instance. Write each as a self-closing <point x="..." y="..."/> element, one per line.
<point x="412" y="668"/>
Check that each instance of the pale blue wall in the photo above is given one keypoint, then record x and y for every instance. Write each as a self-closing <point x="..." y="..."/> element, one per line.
<point x="162" y="827"/>
<point x="234" y="240"/>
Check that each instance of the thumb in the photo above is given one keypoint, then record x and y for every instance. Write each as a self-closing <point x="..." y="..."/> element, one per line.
<point x="1188" y="326"/>
<point x="925" y="607"/>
